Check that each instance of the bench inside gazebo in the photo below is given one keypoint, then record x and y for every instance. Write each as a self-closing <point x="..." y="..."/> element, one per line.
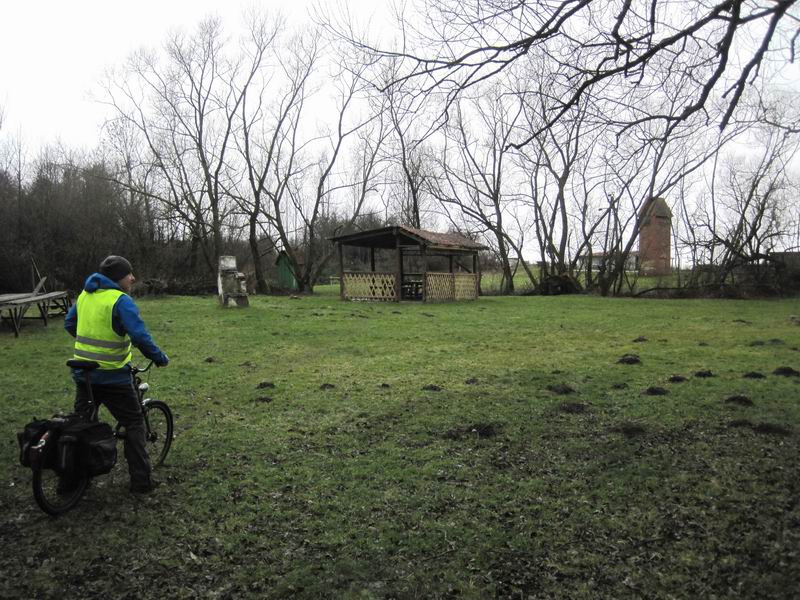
<point x="460" y="282"/>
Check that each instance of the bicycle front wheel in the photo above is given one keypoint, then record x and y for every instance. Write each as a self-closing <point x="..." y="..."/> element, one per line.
<point x="158" y="430"/>
<point x="54" y="495"/>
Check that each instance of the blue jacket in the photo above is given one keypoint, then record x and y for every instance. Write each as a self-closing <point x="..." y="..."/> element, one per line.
<point x="125" y="318"/>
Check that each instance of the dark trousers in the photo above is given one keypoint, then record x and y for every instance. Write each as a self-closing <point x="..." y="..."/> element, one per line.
<point x="123" y="403"/>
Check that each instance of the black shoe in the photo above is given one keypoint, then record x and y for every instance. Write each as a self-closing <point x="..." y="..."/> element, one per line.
<point x="144" y="488"/>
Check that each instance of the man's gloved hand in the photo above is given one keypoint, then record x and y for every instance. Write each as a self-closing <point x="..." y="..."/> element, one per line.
<point x="164" y="361"/>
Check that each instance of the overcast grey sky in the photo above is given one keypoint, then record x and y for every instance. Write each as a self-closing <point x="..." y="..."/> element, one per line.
<point x="53" y="53"/>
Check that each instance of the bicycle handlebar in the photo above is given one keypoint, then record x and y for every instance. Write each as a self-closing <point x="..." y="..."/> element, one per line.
<point x="136" y="370"/>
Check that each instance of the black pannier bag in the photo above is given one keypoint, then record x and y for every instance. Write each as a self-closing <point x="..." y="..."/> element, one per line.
<point x="63" y="449"/>
<point x="29" y="437"/>
<point x="97" y="449"/>
<point x="66" y="460"/>
<point x="53" y="456"/>
<point x="75" y="445"/>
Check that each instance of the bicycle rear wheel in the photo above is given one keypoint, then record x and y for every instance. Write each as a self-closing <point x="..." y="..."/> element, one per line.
<point x="158" y="430"/>
<point x="52" y="496"/>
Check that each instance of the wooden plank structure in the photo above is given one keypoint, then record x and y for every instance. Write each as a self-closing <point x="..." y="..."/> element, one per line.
<point x="16" y="305"/>
<point x="427" y="286"/>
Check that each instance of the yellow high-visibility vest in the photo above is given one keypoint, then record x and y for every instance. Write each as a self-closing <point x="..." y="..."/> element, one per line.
<point x="96" y="339"/>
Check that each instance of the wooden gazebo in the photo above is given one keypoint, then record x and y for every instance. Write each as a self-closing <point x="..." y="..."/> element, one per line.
<point x="460" y="282"/>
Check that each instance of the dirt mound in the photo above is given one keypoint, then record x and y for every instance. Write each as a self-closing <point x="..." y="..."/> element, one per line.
<point x="654" y="390"/>
<point x="562" y="389"/>
<point x="754" y="375"/>
<point x="772" y="428"/>
<point x="475" y="430"/>
<point x="739" y="399"/>
<point x="431" y="387"/>
<point x="630" y="359"/>
<point x="772" y="342"/>
<point x="573" y="408"/>
<point x="677" y="379"/>
<point x="704" y="373"/>
<point x="629" y="429"/>
<point x="786" y="372"/>
<point x="555" y="285"/>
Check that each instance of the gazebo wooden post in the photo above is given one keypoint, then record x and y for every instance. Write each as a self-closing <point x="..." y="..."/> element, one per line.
<point x="341" y="269"/>
<point x="372" y="259"/>
<point x="424" y="257"/>
<point x="476" y="269"/>
<point x="452" y="279"/>
<point x="398" y="274"/>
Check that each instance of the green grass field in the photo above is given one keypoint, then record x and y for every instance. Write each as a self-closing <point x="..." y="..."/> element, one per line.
<point x="445" y="456"/>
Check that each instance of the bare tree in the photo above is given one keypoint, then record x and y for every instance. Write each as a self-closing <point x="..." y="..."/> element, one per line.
<point x="722" y="45"/>
<point x="639" y="171"/>
<point x="297" y="176"/>
<point x="558" y="165"/>
<point x="409" y="151"/>
<point x="183" y="106"/>
<point x="747" y="213"/>
<point x="264" y="129"/>
<point x="315" y="203"/>
<point x="476" y="171"/>
<point x="15" y="164"/>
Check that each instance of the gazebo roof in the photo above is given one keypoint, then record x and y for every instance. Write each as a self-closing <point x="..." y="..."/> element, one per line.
<point x="386" y="237"/>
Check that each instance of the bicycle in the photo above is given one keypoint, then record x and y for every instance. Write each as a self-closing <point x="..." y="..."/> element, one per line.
<point x="47" y="490"/>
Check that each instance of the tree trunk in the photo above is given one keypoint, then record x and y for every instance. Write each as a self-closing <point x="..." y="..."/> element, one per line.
<point x="258" y="269"/>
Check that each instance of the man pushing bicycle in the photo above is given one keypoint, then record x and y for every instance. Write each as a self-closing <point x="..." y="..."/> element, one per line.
<point x="105" y="322"/>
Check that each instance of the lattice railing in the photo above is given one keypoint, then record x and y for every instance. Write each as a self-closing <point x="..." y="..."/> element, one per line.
<point x="466" y="286"/>
<point x="444" y="287"/>
<point x="438" y="287"/>
<point x="370" y="286"/>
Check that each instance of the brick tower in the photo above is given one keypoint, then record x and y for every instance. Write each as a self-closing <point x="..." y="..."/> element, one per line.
<point x="655" y="236"/>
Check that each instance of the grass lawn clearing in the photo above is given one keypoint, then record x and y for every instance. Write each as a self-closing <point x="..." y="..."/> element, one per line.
<point x="492" y="448"/>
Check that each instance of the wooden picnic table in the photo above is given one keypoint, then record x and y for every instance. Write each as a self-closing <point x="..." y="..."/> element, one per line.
<point x="9" y="297"/>
<point x="16" y="305"/>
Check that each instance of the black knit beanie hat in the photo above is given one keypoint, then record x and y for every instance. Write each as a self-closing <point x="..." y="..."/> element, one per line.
<point x="115" y="267"/>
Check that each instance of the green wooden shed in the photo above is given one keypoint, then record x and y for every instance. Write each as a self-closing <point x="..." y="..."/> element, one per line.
<point x="286" y="277"/>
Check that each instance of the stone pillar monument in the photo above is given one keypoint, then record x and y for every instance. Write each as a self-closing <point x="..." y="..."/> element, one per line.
<point x="231" y="283"/>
